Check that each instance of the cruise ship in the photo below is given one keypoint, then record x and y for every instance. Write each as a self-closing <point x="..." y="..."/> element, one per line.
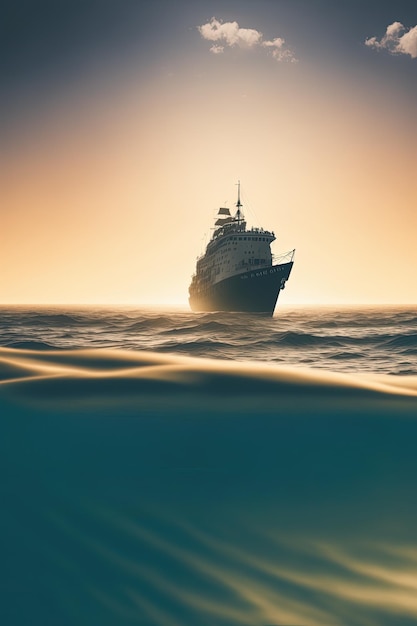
<point x="238" y="272"/>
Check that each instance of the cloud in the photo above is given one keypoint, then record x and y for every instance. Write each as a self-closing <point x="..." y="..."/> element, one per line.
<point x="230" y="34"/>
<point x="397" y="40"/>
<point x="278" y="51"/>
<point x="408" y="42"/>
<point x="216" y="49"/>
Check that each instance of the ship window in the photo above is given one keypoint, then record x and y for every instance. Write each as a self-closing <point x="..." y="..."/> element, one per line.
<point x="240" y="238"/>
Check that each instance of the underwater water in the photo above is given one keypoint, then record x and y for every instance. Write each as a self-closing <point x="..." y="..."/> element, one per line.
<point x="167" y="468"/>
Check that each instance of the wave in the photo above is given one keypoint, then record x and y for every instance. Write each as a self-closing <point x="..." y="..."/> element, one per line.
<point x="343" y="355"/>
<point x="54" y="319"/>
<point x="145" y="373"/>
<point x="31" y="345"/>
<point x="213" y="334"/>
<point x="153" y="323"/>
<point x="379" y="340"/>
<point x="202" y="328"/>
<point x="401" y="341"/>
<point x="291" y="338"/>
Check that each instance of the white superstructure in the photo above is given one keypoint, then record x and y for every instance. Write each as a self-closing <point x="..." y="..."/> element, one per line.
<point x="233" y="249"/>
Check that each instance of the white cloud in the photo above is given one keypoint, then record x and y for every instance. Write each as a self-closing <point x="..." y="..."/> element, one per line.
<point x="277" y="43"/>
<point x="372" y="42"/>
<point x="408" y="43"/>
<point x="230" y="34"/>
<point x="278" y="51"/>
<point x="397" y="40"/>
<point x="216" y="49"/>
<point x="394" y="30"/>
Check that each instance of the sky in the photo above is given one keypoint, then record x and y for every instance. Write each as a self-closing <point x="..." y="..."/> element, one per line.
<point x="125" y="124"/>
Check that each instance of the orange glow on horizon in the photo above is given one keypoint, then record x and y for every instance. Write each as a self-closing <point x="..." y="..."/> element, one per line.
<point x="109" y="204"/>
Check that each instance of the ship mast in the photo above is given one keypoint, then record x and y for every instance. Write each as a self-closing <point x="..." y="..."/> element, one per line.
<point x="238" y="203"/>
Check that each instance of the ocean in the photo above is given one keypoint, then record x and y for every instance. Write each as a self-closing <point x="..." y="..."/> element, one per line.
<point x="165" y="468"/>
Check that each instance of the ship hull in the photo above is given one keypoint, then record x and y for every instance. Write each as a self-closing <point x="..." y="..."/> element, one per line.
<point x="255" y="291"/>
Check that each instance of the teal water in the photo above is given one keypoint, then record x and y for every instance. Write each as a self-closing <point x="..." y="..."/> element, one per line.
<point x="155" y="488"/>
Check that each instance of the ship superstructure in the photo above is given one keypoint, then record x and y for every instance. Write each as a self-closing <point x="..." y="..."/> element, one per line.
<point x="238" y="272"/>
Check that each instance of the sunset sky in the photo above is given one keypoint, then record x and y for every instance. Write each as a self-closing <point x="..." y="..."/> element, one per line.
<point x="126" y="124"/>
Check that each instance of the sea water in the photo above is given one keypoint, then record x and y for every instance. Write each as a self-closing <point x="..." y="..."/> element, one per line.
<point x="166" y="468"/>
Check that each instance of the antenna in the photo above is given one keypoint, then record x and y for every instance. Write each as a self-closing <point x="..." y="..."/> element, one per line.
<point x="238" y="203"/>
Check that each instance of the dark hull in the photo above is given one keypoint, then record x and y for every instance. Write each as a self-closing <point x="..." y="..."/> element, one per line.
<point x="255" y="291"/>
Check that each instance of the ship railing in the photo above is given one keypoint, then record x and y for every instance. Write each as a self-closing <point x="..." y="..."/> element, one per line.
<point x="286" y="257"/>
<point x="261" y="231"/>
